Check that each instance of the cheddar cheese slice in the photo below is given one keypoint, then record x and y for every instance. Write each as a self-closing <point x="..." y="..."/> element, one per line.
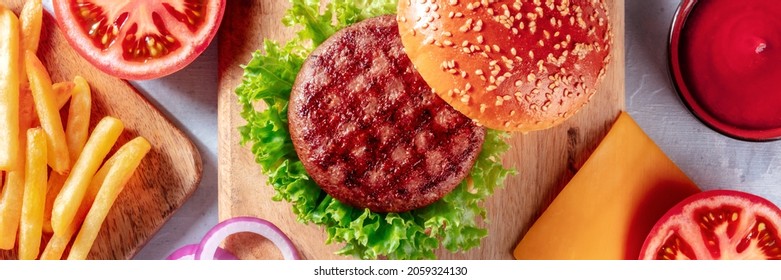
<point x="610" y="205"/>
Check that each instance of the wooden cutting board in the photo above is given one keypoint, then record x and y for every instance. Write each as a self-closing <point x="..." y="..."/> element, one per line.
<point x="545" y="160"/>
<point x="167" y="176"/>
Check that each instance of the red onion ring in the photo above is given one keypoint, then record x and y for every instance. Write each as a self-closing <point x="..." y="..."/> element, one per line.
<point x="210" y="243"/>
<point x="187" y="252"/>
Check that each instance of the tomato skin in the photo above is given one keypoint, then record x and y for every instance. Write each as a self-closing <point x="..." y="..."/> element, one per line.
<point x="717" y="224"/>
<point x="113" y="63"/>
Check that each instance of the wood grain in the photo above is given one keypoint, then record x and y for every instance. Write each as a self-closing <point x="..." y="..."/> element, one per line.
<point x="166" y="177"/>
<point x="545" y="160"/>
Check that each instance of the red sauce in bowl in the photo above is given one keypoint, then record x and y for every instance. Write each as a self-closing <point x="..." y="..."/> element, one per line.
<point x="726" y="62"/>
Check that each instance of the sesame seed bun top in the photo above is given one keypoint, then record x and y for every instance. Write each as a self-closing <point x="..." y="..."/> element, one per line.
<point x="516" y="65"/>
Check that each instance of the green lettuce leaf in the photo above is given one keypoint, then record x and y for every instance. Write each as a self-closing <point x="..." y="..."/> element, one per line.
<point x="452" y="222"/>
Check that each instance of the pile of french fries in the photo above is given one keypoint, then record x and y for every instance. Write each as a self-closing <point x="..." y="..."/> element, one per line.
<point x="55" y="181"/>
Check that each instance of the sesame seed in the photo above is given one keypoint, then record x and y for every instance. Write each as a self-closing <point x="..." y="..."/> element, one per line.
<point x="499" y="101"/>
<point x="465" y="99"/>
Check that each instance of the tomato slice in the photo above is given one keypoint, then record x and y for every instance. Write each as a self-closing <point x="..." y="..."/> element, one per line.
<point x="139" y="39"/>
<point x="721" y="224"/>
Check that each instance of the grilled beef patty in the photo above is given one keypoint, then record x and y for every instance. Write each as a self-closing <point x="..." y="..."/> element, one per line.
<point x="370" y="131"/>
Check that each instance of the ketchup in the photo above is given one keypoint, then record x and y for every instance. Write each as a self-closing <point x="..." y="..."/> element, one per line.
<point x="730" y="61"/>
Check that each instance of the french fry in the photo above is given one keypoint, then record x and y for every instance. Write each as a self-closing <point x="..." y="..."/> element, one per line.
<point x="59" y="242"/>
<point x="31" y="19"/>
<point x="128" y="157"/>
<point x="13" y="189"/>
<point x="48" y="114"/>
<point x="11" y="198"/>
<point x="77" y="127"/>
<point x="11" y="206"/>
<point x="76" y="133"/>
<point x="27" y="115"/>
<point x="56" y="180"/>
<point x="63" y="92"/>
<point x="9" y="88"/>
<point x="95" y="150"/>
<point x="34" y="195"/>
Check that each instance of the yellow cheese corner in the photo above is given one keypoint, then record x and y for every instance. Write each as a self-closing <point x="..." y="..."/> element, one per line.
<point x="610" y="205"/>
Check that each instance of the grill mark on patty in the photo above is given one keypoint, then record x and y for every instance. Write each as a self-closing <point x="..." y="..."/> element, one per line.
<point x="370" y="131"/>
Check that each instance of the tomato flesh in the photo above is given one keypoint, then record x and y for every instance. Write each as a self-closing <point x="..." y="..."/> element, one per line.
<point x="139" y="39"/>
<point x="675" y="248"/>
<point x="149" y="46"/>
<point x="717" y="225"/>
<point x="104" y="27"/>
